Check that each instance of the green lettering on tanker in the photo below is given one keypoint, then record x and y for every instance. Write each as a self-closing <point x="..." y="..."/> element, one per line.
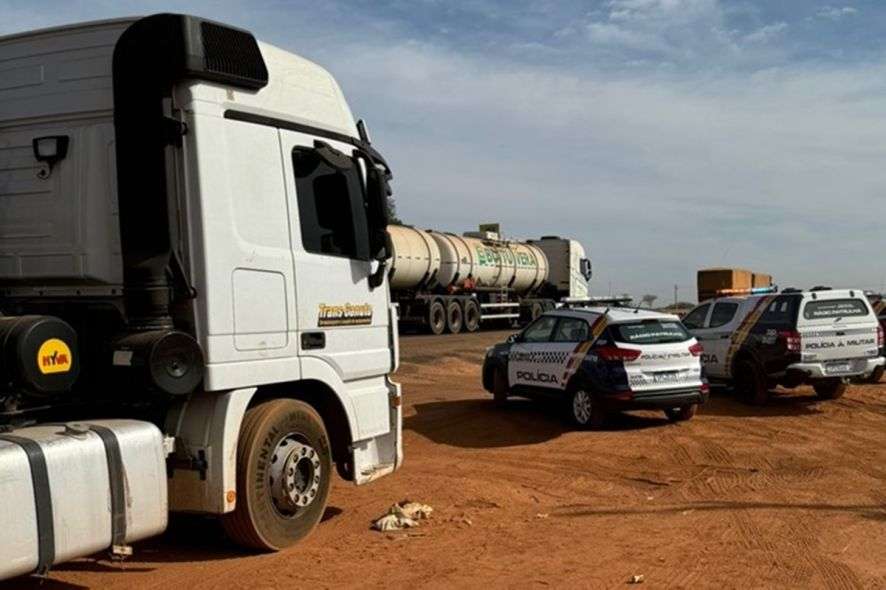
<point x="495" y="256"/>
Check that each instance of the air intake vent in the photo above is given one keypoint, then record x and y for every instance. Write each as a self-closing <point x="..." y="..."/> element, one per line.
<point x="234" y="53"/>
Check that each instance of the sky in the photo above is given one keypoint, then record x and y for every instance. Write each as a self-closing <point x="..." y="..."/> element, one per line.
<point x="665" y="135"/>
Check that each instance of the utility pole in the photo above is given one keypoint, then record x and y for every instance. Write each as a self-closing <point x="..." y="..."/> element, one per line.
<point x="675" y="296"/>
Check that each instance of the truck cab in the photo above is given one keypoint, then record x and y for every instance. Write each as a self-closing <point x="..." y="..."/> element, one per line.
<point x="193" y="222"/>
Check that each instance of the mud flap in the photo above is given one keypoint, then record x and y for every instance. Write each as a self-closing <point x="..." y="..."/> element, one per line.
<point x="381" y="455"/>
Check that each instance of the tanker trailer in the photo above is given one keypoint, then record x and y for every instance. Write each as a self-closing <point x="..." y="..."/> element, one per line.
<point x="443" y="281"/>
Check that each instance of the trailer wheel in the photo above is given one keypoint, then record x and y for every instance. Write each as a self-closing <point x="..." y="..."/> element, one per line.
<point x="472" y="316"/>
<point x="454" y="317"/>
<point x="284" y="468"/>
<point x="829" y="388"/>
<point x="436" y="318"/>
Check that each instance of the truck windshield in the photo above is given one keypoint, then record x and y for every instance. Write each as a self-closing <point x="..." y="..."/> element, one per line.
<point x="834" y="308"/>
<point x="650" y="332"/>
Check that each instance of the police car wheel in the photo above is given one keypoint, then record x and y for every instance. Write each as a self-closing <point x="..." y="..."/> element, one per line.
<point x="682" y="413"/>
<point x="585" y="411"/>
<point x="830" y="388"/>
<point x="500" y="388"/>
<point x="876" y="375"/>
<point x="750" y="383"/>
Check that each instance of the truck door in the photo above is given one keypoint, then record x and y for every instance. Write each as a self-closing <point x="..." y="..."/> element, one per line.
<point x="696" y="322"/>
<point x="341" y="320"/>
<point x="718" y="336"/>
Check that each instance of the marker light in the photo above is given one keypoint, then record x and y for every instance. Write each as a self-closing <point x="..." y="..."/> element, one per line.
<point x="51" y="149"/>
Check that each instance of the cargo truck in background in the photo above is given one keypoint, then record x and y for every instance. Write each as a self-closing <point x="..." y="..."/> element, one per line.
<point x="721" y="282"/>
<point x="445" y="282"/>
<point x="194" y="309"/>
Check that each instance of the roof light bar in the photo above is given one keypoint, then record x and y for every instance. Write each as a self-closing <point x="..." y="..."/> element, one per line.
<point x="751" y="291"/>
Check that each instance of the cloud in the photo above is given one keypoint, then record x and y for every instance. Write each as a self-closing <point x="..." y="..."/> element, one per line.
<point x="715" y="149"/>
<point x="835" y="13"/>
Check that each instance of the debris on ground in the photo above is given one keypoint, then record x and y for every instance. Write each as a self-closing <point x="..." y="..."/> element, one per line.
<point x="637" y="579"/>
<point x="403" y="515"/>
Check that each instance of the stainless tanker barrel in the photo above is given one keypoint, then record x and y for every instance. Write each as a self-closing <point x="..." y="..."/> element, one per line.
<point x="415" y="257"/>
<point x="489" y="264"/>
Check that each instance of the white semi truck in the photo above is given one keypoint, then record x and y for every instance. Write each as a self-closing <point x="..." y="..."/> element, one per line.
<point x="194" y="309"/>
<point x="446" y="282"/>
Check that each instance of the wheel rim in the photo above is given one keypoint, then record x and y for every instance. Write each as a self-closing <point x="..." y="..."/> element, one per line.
<point x="438" y="318"/>
<point x="295" y="475"/>
<point x="581" y="406"/>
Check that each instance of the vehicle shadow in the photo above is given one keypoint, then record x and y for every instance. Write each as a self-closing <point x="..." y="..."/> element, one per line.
<point x="480" y="424"/>
<point x="780" y="404"/>
<point x="873" y="512"/>
<point x="189" y="538"/>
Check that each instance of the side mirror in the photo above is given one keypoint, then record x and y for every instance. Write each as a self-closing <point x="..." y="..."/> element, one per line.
<point x="377" y="191"/>
<point x="513" y="338"/>
<point x="585" y="268"/>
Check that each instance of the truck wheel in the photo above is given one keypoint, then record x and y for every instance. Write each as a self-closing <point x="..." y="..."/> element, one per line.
<point x="500" y="388"/>
<point x="829" y="388"/>
<point x="436" y="318"/>
<point x="750" y="383"/>
<point x="682" y="413"/>
<point x="454" y="317"/>
<point x="876" y="375"/>
<point x="585" y="411"/>
<point x="472" y="316"/>
<point x="284" y="468"/>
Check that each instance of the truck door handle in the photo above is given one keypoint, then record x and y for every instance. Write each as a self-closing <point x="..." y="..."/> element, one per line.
<point x="725" y="336"/>
<point x="313" y="340"/>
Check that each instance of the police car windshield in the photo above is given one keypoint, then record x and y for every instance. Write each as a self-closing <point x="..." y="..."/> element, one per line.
<point x="650" y="332"/>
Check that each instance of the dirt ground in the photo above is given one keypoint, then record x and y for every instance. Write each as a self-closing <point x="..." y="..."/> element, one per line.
<point x="791" y="495"/>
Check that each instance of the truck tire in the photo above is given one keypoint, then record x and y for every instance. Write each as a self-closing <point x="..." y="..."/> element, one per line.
<point x="682" y="413"/>
<point x="750" y="382"/>
<point x="284" y="469"/>
<point x="829" y="388"/>
<point x="454" y="317"/>
<point x="436" y="318"/>
<point x="472" y="316"/>
<point x="876" y="375"/>
<point x="500" y="388"/>
<point x="584" y="411"/>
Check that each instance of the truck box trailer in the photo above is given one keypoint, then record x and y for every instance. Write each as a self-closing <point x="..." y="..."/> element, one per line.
<point x="194" y="308"/>
<point x="443" y="281"/>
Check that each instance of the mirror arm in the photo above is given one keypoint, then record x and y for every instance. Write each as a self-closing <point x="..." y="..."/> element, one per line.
<point x="378" y="277"/>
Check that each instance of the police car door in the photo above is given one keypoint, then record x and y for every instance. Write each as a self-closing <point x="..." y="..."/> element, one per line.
<point x="718" y="336"/>
<point x="535" y="361"/>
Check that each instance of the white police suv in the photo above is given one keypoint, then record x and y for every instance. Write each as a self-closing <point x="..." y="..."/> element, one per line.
<point x="820" y="337"/>
<point x="601" y="359"/>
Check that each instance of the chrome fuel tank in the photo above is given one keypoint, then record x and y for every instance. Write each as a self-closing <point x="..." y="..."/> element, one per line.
<point x="71" y="490"/>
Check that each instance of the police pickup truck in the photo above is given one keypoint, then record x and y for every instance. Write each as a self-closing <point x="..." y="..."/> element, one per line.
<point x="821" y="337"/>
<point x="598" y="360"/>
<point x="878" y="302"/>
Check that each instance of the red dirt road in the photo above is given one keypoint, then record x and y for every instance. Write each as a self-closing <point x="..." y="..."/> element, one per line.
<point x="791" y="495"/>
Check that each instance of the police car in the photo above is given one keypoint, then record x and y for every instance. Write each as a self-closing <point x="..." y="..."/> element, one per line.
<point x="601" y="359"/>
<point x="878" y="302"/>
<point x="820" y="337"/>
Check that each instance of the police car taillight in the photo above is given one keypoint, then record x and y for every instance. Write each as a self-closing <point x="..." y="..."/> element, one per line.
<point x="881" y="337"/>
<point x="614" y="353"/>
<point x="696" y="349"/>
<point x="791" y="340"/>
